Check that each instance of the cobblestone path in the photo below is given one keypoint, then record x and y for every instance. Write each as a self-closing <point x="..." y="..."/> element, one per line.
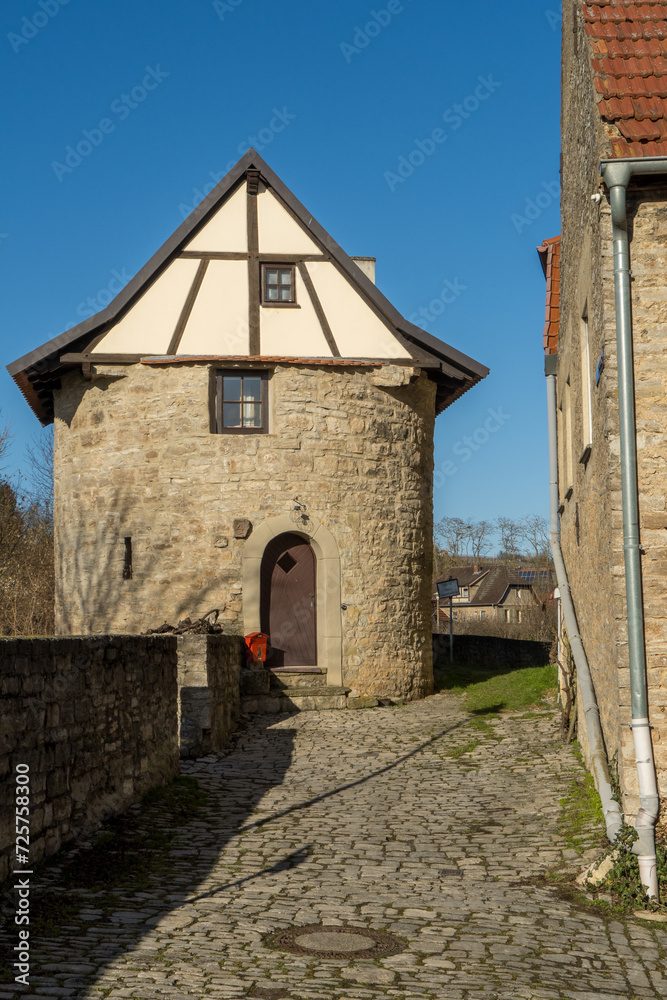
<point x="407" y="820"/>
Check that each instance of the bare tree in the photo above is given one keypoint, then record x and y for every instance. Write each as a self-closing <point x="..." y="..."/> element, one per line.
<point x="510" y="538"/>
<point x="454" y="532"/>
<point x="39" y="455"/>
<point x="5" y="438"/>
<point x="26" y="559"/>
<point x="441" y="561"/>
<point x="535" y="532"/>
<point x="479" y="536"/>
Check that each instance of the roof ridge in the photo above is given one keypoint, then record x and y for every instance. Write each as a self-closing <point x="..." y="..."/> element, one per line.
<point x="458" y="371"/>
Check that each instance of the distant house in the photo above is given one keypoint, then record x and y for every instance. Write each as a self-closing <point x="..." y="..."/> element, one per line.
<point x="541" y="577"/>
<point x="497" y="592"/>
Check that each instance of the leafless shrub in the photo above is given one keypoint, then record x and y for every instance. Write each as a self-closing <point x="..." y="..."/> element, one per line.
<point x="26" y="559"/>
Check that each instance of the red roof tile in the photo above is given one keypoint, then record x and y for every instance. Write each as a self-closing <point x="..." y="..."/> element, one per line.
<point x="629" y="49"/>
<point x="550" y="257"/>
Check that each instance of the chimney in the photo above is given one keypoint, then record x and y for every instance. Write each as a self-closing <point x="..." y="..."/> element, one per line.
<point x="476" y="568"/>
<point x="367" y="265"/>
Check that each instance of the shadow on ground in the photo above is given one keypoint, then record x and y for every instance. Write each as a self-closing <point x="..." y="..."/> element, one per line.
<point x="94" y="902"/>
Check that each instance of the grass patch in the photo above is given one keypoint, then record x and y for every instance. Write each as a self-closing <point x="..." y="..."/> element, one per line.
<point x="456" y="752"/>
<point x="486" y="731"/>
<point x="487" y="692"/>
<point x="581" y="813"/>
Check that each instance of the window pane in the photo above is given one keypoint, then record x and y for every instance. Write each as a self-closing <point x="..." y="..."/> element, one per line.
<point x="232" y="387"/>
<point x="252" y="416"/>
<point x="231" y="414"/>
<point x="271" y="277"/>
<point x="285" y="277"/>
<point x="285" y="294"/>
<point x="272" y="293"/>
<point x="252" y="388"/>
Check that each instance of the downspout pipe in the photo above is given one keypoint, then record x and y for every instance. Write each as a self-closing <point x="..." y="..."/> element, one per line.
<point x="616" y="175"/>
<point x="599" y="764"/>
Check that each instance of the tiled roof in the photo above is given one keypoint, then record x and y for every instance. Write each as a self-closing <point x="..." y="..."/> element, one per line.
<point x="629" y="42"/>
<point x="550" y="259"/>
<point x="493" y="583"/>
<point x="466" y="575"/>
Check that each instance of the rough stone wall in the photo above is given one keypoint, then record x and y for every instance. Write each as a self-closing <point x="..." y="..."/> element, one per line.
<point x="95" y="721"/>
<point x="647" y="211"/>
<point x="209" y="691"/>
<point x="135" y="457"/>
<point x="591" y="521"/>
<point x="491" y="651"/>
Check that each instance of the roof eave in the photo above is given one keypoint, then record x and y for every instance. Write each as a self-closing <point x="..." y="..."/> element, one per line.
<point x="455" y="366"/>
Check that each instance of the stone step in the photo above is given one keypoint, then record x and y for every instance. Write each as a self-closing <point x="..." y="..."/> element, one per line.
<point x="297" y="699"/>
<point x="255" y="683"/>
<point x="293" y="677"/>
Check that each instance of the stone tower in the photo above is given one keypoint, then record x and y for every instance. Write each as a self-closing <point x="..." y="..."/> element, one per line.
<point x="248" y="426"/>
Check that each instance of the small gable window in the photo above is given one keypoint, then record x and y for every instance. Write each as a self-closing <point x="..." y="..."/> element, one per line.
<point x="241" y="402"/>
<point x="278" y="285"/>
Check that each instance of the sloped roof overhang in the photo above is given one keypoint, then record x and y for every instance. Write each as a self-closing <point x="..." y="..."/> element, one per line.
<point x="37" y="372"/>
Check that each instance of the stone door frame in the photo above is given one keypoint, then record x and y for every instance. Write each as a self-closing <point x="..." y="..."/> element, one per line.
<point x="329" y="620"/>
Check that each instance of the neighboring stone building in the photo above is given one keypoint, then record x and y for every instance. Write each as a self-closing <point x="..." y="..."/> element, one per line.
<point x="249" y="426"/>
<point x="613" y="107"/>
<point x="494" y="593"/>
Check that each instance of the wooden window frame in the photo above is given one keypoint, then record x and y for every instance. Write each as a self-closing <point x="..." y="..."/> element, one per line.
<point x="284" y="303"/>
<point x="220" y="375"/>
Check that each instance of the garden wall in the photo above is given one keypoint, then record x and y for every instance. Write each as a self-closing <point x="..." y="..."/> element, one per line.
<point x="491" y="651"/>
<point x="95" y="721"/>
<point x="209" y="691"/>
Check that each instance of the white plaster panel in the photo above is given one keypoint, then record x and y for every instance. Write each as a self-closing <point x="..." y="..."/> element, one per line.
<point x="293" y="332"/>
<point x="148" y="326"/>
<point x="227" y="230"/>
<point x="278" y="232"/>
<point x="357" y="330"/>
<point x="218" y="323"/>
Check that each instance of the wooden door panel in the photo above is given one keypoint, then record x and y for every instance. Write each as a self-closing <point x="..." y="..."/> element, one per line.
<point x="288" y="612"/>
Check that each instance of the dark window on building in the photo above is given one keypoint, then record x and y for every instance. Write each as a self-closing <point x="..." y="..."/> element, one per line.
<point x="127" y="563"/>
<point x="278" y="285"/>
<point x="241" y="402"/>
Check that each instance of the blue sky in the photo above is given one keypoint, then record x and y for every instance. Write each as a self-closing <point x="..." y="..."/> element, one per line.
<point x="422" y="132"/>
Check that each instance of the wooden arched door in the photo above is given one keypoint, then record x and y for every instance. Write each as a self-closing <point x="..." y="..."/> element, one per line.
<point x="288" y="603"/>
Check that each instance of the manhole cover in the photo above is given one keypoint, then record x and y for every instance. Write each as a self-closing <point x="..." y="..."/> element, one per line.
<point x="335" y="942"/>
